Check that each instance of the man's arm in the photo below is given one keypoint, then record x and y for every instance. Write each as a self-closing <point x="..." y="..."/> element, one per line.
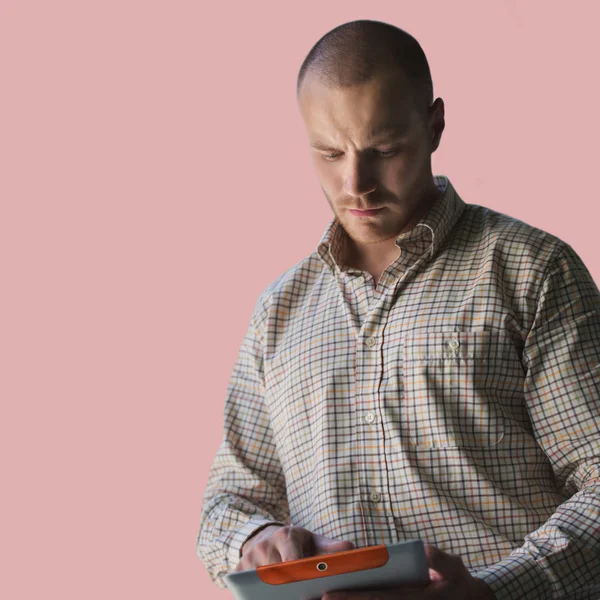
<point x="246" y="486"/>
<point x="562" y="390"/>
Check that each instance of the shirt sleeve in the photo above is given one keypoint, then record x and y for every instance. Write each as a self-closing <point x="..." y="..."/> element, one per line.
<point x="562" y="391"/>
<point x="246" y="486"/>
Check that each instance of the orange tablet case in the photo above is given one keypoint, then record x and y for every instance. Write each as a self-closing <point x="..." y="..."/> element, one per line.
<point x="373" y="567"/>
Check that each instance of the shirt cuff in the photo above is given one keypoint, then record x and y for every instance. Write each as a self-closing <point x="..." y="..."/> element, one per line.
<point x="517" y="576"/>
<point x="234" y="553"/>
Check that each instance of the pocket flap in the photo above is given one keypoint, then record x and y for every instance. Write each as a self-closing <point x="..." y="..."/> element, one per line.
<point x="440" y="345"/>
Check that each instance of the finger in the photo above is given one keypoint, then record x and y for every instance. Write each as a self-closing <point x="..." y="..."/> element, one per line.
<point x="291" y="543"/>
<point x="334" y="546"/>
<point x="325" y="545"/>
<point x="262" y="553"/>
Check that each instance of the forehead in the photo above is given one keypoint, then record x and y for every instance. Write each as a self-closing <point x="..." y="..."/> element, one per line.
<point x="377" y="107"/>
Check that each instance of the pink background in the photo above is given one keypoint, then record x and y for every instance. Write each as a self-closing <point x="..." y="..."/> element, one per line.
<point x="154" y="178"/>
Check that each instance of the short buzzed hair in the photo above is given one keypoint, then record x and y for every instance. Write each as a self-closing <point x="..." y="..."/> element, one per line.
<point x="356" y="51"/>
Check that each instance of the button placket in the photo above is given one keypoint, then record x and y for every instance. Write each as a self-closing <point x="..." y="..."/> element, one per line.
<point x="368" y="433"/>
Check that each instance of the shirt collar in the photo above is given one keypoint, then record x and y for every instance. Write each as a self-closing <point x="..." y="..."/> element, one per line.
<point x="426" y="236"/>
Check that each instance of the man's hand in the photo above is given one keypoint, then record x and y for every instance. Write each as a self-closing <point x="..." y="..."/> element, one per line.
<point x="276" y="543"/>
<point x="450" y="580"/>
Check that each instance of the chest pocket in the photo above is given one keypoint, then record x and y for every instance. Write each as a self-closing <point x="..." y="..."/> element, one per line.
<point x="451" y="383"/>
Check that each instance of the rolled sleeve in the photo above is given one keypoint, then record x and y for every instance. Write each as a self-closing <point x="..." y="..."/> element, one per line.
<point x="246" y="485"/>
<point x="517" y="576"/>
<point x="561" y="559"/>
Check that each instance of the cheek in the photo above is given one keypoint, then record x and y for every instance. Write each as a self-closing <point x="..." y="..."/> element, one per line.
<point x="408" y="165"/>
<point x="395" y="172"/>
<point x="328" y="175"/>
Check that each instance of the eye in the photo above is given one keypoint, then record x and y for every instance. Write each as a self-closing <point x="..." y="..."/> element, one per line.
<point x="383" y="154"/>
<point x="388" y="153"/>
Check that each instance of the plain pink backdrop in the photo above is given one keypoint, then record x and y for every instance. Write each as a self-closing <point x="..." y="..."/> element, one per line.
<point x="154" y="178"/>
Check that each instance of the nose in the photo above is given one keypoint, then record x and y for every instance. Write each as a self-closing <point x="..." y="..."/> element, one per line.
<point x="358" y="180"/>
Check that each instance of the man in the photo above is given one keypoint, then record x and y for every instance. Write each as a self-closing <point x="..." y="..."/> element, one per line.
<point x="431" y="371"/>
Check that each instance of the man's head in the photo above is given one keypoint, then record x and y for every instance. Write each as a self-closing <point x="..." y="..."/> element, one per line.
<point x="366" y="98"/>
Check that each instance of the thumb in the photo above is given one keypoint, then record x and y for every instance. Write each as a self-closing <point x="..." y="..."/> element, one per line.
<point x="444" y="565"/>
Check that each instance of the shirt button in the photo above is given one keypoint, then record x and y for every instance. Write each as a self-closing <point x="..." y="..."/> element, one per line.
<point x="454" y="344"/>
<point x="369" y="417"/>
<point x="370" y="341"/>
<point x="376" y="496"/>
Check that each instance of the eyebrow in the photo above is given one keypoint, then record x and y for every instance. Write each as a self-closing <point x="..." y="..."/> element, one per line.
<point x="381" y="134"/>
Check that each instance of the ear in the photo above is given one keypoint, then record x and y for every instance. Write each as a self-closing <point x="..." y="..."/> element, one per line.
<point x="436" y="122"/>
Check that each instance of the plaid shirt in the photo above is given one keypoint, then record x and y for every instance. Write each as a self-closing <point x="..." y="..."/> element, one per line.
<point x="458" y="402"/>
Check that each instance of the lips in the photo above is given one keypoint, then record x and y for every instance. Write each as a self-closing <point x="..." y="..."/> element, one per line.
<point x="364" y="213"/>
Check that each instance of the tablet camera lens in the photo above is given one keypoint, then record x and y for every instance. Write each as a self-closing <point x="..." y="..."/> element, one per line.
<point x="322" y="566"/>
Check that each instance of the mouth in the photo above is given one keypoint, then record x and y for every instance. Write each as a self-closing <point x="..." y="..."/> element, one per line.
<point x="365" y="213"/>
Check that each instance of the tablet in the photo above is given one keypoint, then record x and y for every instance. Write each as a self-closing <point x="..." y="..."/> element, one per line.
<point x="372" y="567"/>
